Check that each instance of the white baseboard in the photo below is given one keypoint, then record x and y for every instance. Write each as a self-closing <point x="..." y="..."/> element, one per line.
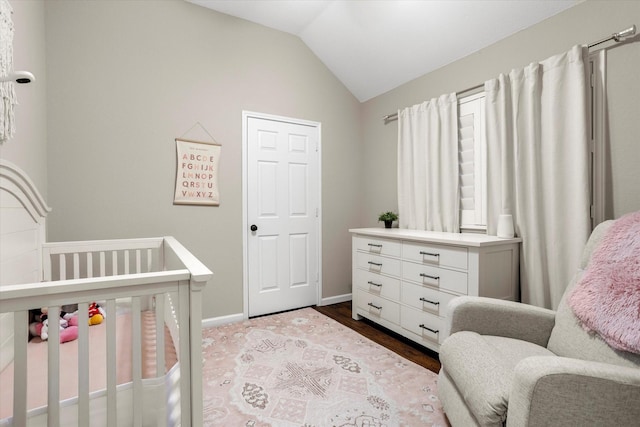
<point x="335" y="300"/>
<point x="238" y="317"/>
<point x="222" y="320"/>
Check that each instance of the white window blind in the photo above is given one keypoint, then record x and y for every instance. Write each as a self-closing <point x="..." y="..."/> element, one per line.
<point x="472" y="158"/>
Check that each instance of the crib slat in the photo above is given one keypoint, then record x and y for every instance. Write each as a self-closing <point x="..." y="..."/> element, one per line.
<point x="138" y="261"/>
<point x="184" y="356"/>
<point x="20" y="331"/>
<point x="161" y="416"/>
<point x="195" y="352"/>
<point x="89" y="265"/>
<point x="149" y="260"/>
<point x="126" y="262"/>
<point x="160" y="362"/>
<point x="103" y="264"/>
<point x="112" y="414"/>
<point x="63" y="267"/>
<point x="136" y="344"/>
<point x="53" y="371"/>
<point x="114" y="263"/>
<point x="83" y="363"/>
<point x="76" y="265"/>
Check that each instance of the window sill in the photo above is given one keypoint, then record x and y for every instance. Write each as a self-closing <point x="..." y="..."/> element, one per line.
<point x="478" y="229"/>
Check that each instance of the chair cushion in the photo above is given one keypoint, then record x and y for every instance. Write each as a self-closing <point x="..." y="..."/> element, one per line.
<point x="453" y="404"/>
<point x="481" y="367"/>
<point x="568" y="338"/>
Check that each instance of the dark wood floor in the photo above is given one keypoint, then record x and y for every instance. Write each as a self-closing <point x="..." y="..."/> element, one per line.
<point x="389" y="339"/>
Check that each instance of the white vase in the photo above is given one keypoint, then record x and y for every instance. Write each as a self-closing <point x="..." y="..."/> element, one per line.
<point x="505" y="226"/>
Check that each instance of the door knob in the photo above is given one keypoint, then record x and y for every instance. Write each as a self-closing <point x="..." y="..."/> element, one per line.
<point x="254" y="227"/>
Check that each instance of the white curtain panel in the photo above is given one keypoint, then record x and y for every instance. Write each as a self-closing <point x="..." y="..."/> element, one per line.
<point x="428" y="191"/>
<point x="538" y="169"/>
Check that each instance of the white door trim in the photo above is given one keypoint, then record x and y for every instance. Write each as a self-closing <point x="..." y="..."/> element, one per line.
<point x="245" y="224"/>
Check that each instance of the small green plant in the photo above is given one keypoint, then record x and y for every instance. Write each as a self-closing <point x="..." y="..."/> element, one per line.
<point x="388" y="216"/>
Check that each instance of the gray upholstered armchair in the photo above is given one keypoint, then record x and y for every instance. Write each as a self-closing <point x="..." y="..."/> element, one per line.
<point x="513" y="364"/>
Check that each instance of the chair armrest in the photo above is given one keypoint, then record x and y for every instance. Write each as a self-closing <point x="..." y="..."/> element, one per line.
<point x="489" y="316"/>
<point x="571" y="392"/>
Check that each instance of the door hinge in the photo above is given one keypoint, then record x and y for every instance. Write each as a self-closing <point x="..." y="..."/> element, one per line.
<point x="317" y="212"/>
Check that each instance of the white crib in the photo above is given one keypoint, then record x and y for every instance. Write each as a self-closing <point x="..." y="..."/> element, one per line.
<point x="154" y="278"/>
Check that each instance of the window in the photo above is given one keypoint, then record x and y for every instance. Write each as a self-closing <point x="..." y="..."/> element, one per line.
<point x="472" y="151"/>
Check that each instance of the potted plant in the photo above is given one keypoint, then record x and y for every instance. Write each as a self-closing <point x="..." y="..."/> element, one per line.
<point x="388" y="218"/>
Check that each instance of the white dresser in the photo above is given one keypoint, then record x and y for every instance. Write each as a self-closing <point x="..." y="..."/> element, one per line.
<point x="404" y="279"/>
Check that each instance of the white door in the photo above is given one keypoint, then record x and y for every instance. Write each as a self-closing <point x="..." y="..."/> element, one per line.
<point x="282" y="214"/>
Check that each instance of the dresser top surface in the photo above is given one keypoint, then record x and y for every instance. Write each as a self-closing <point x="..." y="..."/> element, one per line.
<point x="460" y="239"/>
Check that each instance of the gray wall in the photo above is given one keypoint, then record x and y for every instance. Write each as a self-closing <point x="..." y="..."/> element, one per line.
<point x="584" y="23"/>
<point x="123" y="79"/>
<point x="127" y="77"/>
<point x="28" y="148"/>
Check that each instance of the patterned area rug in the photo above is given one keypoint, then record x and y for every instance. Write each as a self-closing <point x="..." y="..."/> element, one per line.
<point x="303" y="369"/>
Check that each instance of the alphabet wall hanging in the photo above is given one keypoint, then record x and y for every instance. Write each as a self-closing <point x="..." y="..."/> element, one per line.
<point x="197" y="173"/>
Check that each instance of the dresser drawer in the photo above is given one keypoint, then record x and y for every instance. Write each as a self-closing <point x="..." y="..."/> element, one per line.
<point x="426" y="325"/>
<point x="377" y="246"/>
<point x="378" y="307"/>
<point x="378" y="264"/>
<point x="426" y="299"/>
<point x="436" y="255"/>
<point x="377" y="284"/>
<point x="442" y="278"/>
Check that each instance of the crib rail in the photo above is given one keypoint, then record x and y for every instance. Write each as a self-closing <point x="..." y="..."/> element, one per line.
<point x="100" y="258"/>
<point x="153" y="273"/>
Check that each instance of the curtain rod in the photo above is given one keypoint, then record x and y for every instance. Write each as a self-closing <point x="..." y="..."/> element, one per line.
<point x="394" y="116"/>
<point x="618" y="37"/>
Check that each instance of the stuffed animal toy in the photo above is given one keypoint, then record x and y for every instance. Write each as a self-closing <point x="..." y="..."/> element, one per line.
<point x="69" y="333"/>
<point x="41" y="329"/>
<point x="44" y="313"/>
<point x="68" y="329"/>
<point x="96" y="314"/>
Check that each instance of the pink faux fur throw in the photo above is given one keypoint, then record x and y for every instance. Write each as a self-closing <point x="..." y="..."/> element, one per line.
<point x="607" y="298"/>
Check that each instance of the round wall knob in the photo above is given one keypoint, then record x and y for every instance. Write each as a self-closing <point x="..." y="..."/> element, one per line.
<point x="254" y="227"/>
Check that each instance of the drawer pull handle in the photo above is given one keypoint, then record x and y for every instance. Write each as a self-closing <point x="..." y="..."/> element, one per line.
<point x="375" y="263"/>
<point x="435" y="331"/>
<point x="374" y="283"/>
<point x="429" y="277"/>
<point x="429" y="253"/>
<point x="374" y="245"/>
<point x="430" y="302"/>
<point x="374" y="306"/>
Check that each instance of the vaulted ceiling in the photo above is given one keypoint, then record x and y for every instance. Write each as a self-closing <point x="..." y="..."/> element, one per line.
<point x="374" y="46"/>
